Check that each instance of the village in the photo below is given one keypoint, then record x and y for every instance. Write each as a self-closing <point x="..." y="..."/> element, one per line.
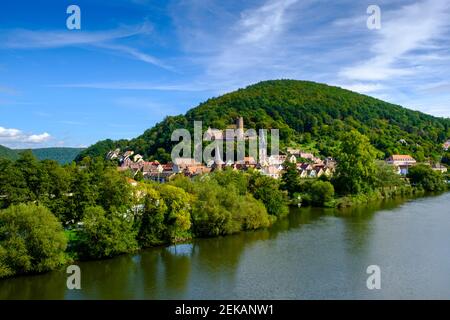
<point x="308" y="164"/>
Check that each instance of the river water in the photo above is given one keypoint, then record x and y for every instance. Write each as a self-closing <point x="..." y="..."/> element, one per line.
<point x="313" y="254"/>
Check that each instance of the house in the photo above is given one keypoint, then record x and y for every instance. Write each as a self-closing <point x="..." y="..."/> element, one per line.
<point x="446" y="145"/>
<point x="113" y="154"/>
<point x="293" y="151"/>
<point x="196" y="170"/>
<point x="439" y="167"/>
<point x="128" y="154"/>
<point x="138" y="158"/>
<point x="181" y="163"/>
<point x="271" y="171"/>
<point x="132" y="182"/>
<point x="277" y="159"/>
<point x="152" y="167"/>
<point x="402" y="162"/>
<point x="293" y="159"/>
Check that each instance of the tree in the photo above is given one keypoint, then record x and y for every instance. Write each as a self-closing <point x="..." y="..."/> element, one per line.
<point x="356" y="170"/>
<point x="290" y="180"/>
<point x="113" y="189"/>
<point x="423" y="176"/>
<point x="255" y="216"/>
<point x="386" y="176"/>
<point x="106" y="234"/>
<point x="177" y="217"/>
<point x="13" y="187"/>
<point x="321" y="192"/>
<point x="152" y="229"/>
<point x="31" y="240"/>
<point x="267" y="190"/>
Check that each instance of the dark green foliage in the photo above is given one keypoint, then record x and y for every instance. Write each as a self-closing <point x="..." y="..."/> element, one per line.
<point x="267" y="190"/>
<point x="177" y="217"/>
<point x="222" y="205"/>
<point x="32" y="240"/>
<point x="321" y="192"/>
<point x="290" y="180"/>
<point x="424" y="177"/>
<point x="446" y="158"/>
<point x="7" y="153"/>
<point x="386" y="176"/>
<point x="305" y="112"/>
<point x="106" y="234"/>
<point x="356" y="168"/>
<point x="152" y="229"/>
<point x="60" y="155"/>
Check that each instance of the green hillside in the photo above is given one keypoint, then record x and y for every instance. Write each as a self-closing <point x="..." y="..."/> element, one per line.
<point x="310" y="114"/>
<point x="8" y="153"/>
<point x="62" y="155"/>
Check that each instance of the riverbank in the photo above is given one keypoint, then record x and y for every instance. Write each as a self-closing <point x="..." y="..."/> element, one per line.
<point x="314" y="253"/>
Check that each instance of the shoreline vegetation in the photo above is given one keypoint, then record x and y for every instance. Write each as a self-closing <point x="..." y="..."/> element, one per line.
<point x="53" y="215"/>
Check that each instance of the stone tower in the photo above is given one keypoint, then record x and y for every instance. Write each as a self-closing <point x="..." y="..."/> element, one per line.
<point x="240" y="128"/>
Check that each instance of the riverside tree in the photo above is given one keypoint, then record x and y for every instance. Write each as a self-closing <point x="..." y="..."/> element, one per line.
<point x="32" y="240"/>
<point x="356" y="170"/>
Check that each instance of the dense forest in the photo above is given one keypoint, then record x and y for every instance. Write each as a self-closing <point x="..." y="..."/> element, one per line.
<point x="308" y="114"/>
<point x="61" y="155"/>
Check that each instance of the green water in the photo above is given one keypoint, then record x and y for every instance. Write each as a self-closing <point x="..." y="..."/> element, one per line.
<point x="313" y="254"/>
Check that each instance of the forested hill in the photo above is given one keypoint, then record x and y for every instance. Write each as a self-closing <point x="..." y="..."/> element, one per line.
<point x="8" y="153"/>
<point x="309" y="114"/>
<point x="62" y="155"/>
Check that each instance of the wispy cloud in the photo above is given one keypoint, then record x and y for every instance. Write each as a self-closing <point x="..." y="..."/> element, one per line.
<point x="143" y="86"/>
<point x="414" y="27"/>
<point x="106" y="39"/>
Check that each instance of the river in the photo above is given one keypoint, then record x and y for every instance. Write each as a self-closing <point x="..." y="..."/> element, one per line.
<point x="313" y="254"/>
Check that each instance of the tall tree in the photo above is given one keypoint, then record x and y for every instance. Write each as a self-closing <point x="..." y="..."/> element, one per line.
<point x="356" y="170"/>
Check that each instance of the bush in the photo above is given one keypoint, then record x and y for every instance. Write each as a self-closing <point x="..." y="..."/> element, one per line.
<point x="32" y="240"/>
<point x="424" y="177"/>
<point x="177" y="218"/>
<point x="321" y="192"/>
<point x="267" y="190"/>
<point x="152" y="229"/>
<point x="105" y="235"/>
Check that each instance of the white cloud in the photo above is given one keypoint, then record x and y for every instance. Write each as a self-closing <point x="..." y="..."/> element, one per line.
<point x="17" y="138"/>
<point x="38" y="138"/>
<point x="363" y="87"/>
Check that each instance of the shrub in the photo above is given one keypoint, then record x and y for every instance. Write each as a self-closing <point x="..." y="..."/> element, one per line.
<point x="32" y="240"/>
<point x="105" y="234"/>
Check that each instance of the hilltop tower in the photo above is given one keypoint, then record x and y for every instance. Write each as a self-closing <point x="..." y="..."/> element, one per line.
<point x="240" y="128"/>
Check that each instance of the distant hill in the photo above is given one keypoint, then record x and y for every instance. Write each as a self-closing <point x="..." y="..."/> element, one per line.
<point x="308" y="114"/>
<point x="62" y="155"/>
<point x="8" y="153"/>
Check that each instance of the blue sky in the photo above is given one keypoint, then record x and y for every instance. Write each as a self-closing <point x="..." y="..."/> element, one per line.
<point x="135" y="61"/>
